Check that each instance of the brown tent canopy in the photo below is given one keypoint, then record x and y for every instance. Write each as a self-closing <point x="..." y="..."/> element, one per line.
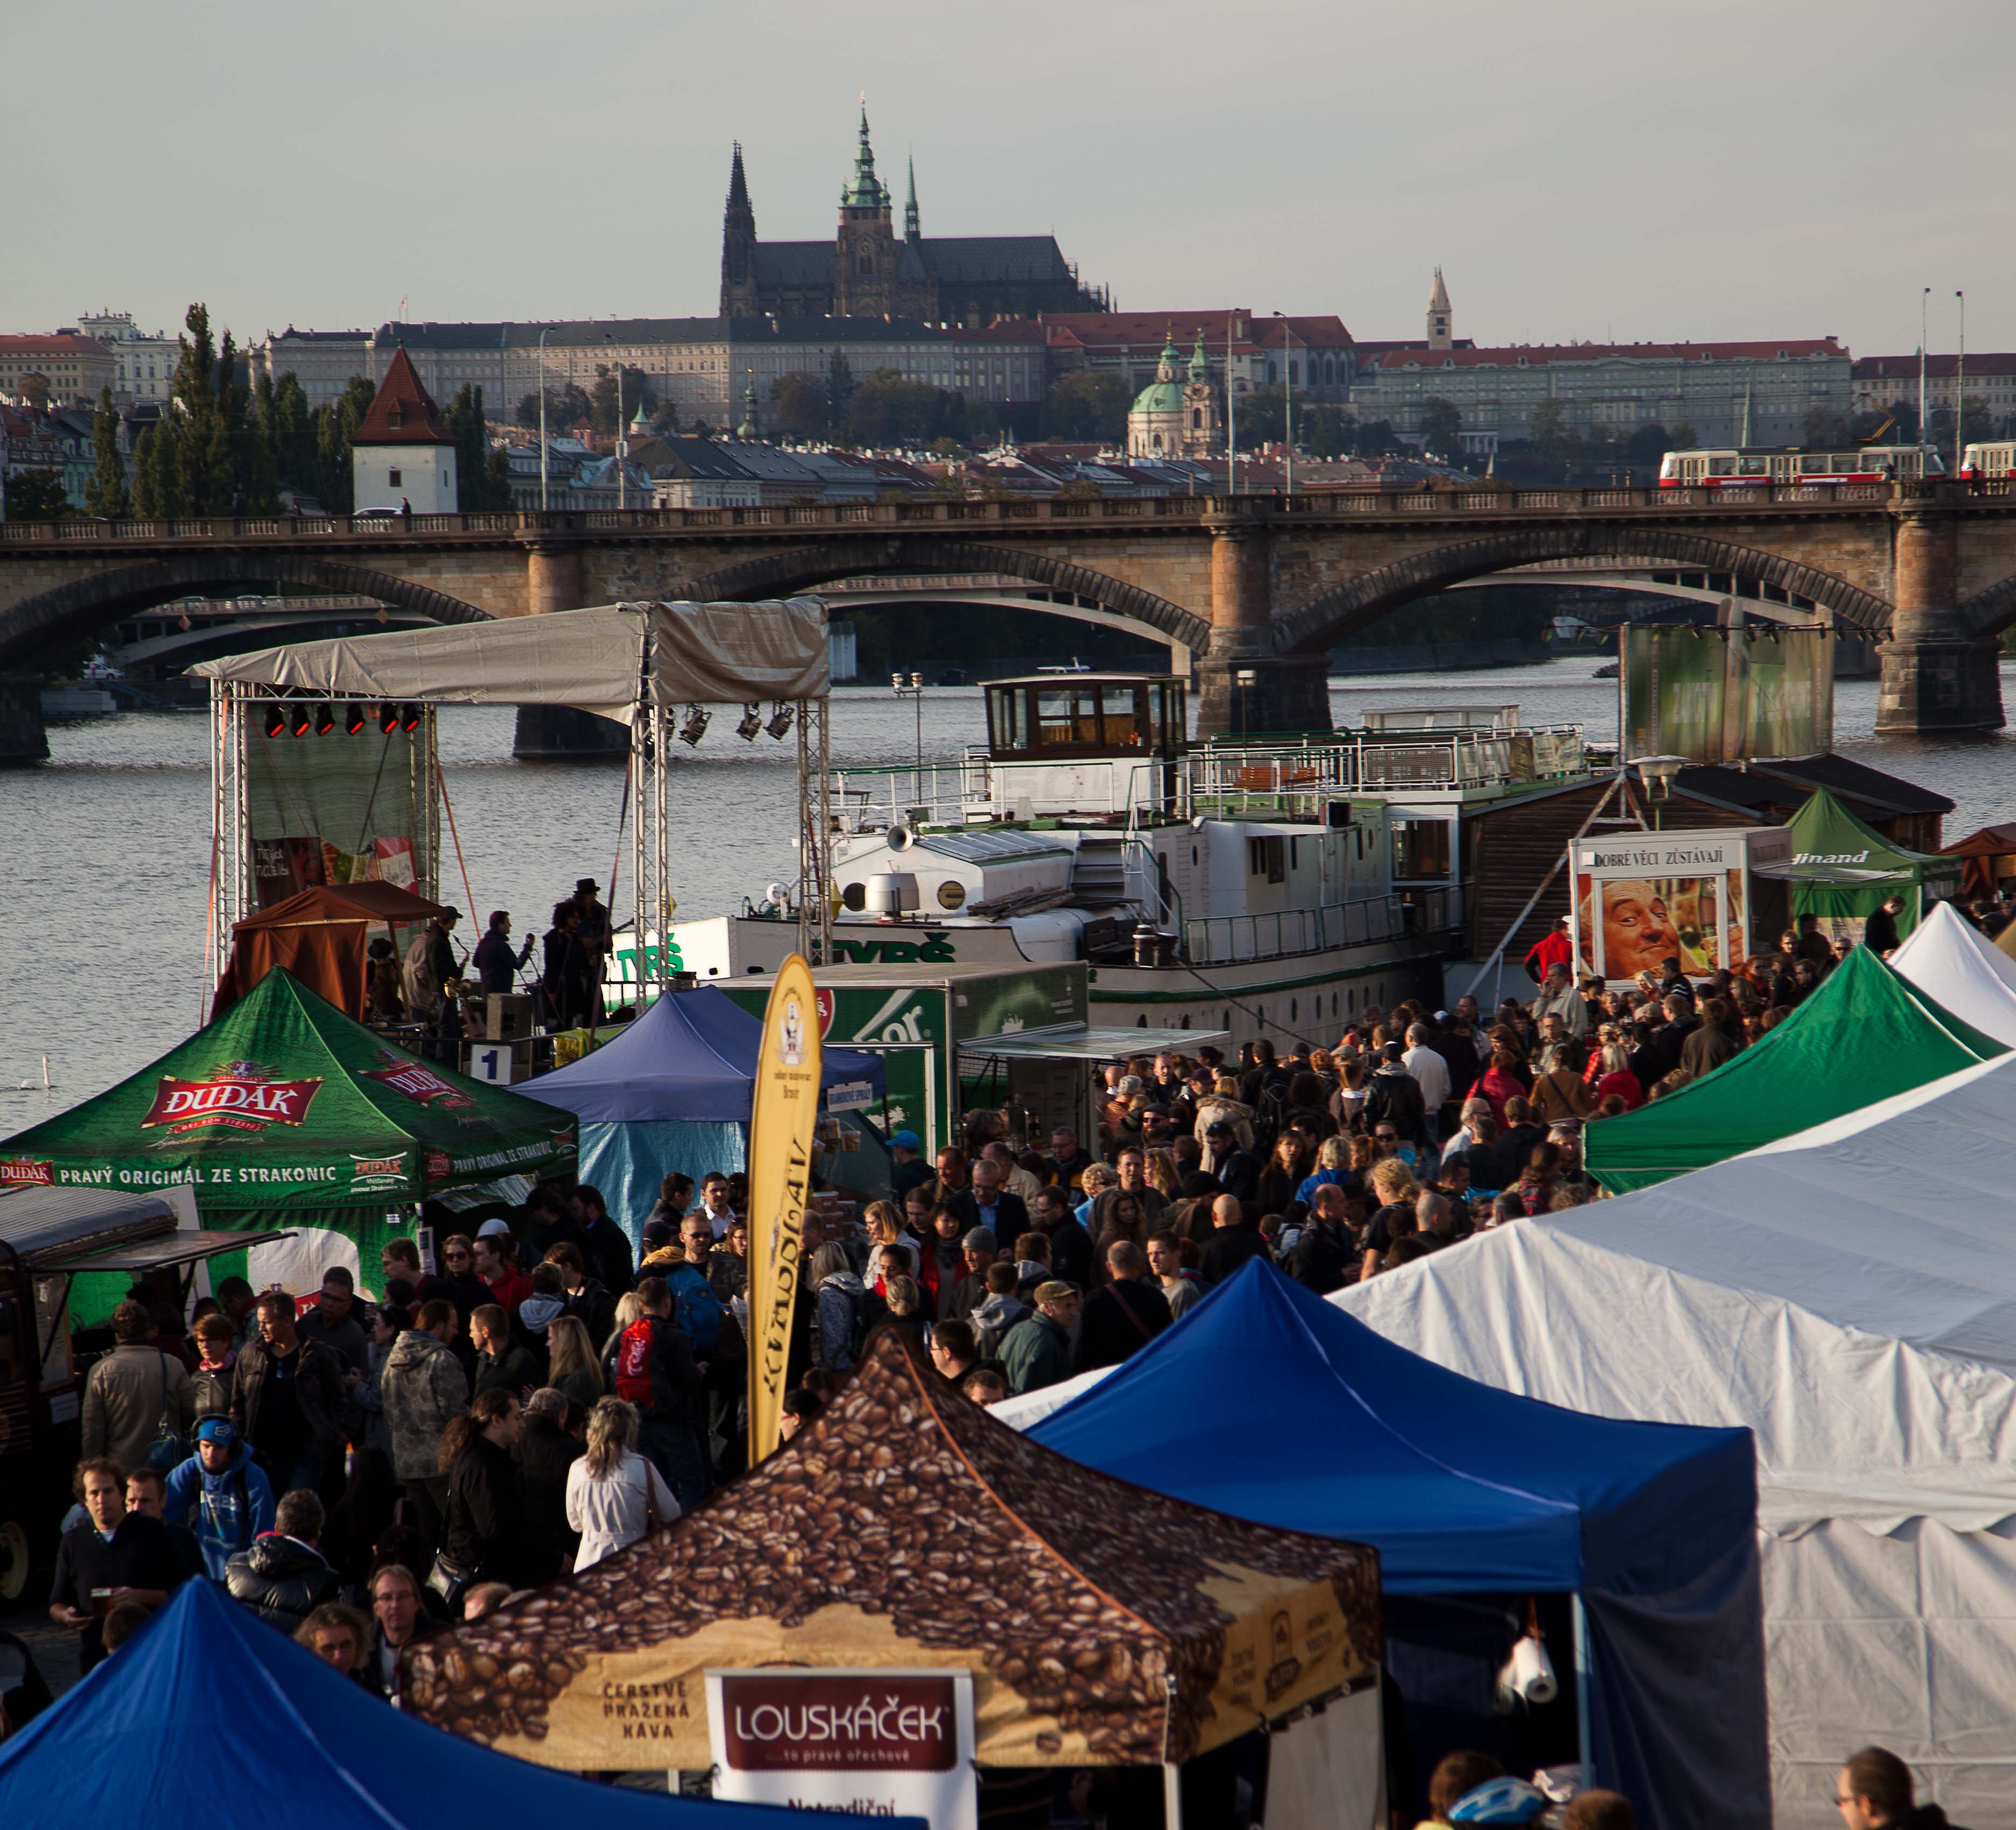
<point x="320" y="937"/>
<point x="1990" y="855"/>
<point x="1103" y="1624"/>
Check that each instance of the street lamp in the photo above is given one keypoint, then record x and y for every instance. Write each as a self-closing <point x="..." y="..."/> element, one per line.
<point x="1246" y="678"/>
<point x="913" y="690"/>
<point x="1287" y="404"/>
<point x="1960" y="390"/>
<point x="622" y="444"/>
<point x="1657" y="772"/>
<point x="543" y="336"/>
<point x="1924" y="307"/>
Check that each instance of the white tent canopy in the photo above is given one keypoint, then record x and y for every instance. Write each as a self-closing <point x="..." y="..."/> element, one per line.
<point x="603" y="660"/>
<point x="1956" y="966"/>
<point x="1848" y="1293"/>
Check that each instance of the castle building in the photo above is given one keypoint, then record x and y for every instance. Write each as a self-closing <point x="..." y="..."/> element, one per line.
<point x="866" y="271"/>
<point x="1176" y="415"/>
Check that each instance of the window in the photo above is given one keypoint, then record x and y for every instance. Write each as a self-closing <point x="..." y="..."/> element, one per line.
<point x="1268" y="858"/>
<point x="1420" y="850"/>
<point x="392" y="477"/>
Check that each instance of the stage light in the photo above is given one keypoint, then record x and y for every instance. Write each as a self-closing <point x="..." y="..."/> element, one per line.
<point x="695" y="727"/>
<point x="302" y="721"/>
<point x="752" y="722"/>
<point x="355" y="718"/>
<point x="276" y="720"/>
<point x="325" y="720"/>
<point x="388" y="719"/>
<point x="781" y="715"/>
<point x="409" y="719"/>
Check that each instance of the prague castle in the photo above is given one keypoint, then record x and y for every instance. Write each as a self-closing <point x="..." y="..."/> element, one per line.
<point x="867" y="270"/>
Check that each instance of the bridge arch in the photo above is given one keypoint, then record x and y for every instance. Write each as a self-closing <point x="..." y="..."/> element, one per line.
<point x="1989" y="613"/>
<point x="1320" y="622"/>
<point x="69" y="611"/>
<point x="778" y="574"/>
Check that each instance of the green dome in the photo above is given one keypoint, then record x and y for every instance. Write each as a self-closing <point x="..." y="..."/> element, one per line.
<point x="1159" y="397"/>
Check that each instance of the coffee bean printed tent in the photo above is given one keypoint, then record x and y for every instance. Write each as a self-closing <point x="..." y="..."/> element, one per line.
<point x="1103" y="1624"/>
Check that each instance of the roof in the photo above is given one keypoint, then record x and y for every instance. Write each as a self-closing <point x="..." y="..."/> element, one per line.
<point x="1866" y="1033"/>
<point x="148" y="1733"/>
<point x="1787" y="781"/>
<point x="976" y="259"/>
<point x="34" y="344"/>
<point x="1544" y="355"/>
<point x="1937" y="368"/>
<point x="1137" y="329"/>
<point x="345" y="902"/>
<point x="692" y="1057"/>
<point x="1949" y="959"/>
<point x="1037" y="1568"/>
<point x="36" y="1220"/>
<point x="402" y="411"/>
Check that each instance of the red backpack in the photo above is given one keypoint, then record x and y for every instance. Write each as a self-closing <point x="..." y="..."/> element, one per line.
<point x="633" y="1364"/>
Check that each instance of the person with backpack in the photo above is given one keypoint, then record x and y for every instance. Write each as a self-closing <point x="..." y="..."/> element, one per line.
<point x="227" y="1491"/>
<point x="842" y="1301"/>
<point x="656" y="1372"/>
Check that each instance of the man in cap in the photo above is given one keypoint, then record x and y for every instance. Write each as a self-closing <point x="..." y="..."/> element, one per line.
<point x="912" y="1171"/>
<point x="1237" y="1171"/>
<point x="222" y="1492"/>
<point x="1037" y="1352"/>
<point x="597" y="935"/>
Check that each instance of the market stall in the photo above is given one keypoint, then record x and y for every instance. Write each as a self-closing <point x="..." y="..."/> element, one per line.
<point x="1988" y="859"/>
<point x="904" y="1531"/>
<point x="673" y="1091"/>
<point x="208" y="1701"/>
<point x="283" y="1113"/>
<point x="1949" y="959"/>
<point x="1703" y="897"/>
<point x="1842" y="871"/>
<point x="1849" y="1295"/>
<point x="321" y="936"/>
<point x="1867" y="1032"/>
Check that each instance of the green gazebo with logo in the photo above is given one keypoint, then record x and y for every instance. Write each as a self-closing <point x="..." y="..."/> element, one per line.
<point x="285" y="1112"/>
<point x="1843" y="872"/>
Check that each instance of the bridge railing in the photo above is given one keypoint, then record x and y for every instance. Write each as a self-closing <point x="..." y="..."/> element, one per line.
<point x="1338" y="506"/>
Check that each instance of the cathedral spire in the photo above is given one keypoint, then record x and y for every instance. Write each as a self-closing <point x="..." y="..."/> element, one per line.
<point x="912" y="232"/>
<point x="738" y="182"/>
<point x="867" y="191"/>
<point x="738" y="244"/>
<point x="1441" y="321"/>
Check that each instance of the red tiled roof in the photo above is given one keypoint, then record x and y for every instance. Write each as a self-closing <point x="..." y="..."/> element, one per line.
<point x="1937" y="368"/>
<point x="31" y="344"/>
<point x="402" y="414"/>
<point x="1543" y="355"/>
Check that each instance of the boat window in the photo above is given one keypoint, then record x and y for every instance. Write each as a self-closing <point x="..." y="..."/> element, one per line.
<point x="1066" y="715"/>
<point x="1420" y="850"/>
<point x="1268" y="858"/>
<point x="1123" y="716"/>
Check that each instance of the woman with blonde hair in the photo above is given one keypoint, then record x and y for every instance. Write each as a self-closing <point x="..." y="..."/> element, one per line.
<point x="1161" y="1173"/>
<point x="629" y="1308"/>
<point x="570" y="1365"/>
<point x="614" y="1495"/>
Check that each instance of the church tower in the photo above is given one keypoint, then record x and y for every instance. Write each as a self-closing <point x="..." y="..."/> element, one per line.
<point x="864" y="271"/>
<point x="1442" y="321"/>
<point x="738" y="247"/>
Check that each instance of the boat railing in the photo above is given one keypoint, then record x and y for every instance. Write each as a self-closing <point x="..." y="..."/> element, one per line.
<point x="874" y="797"/>
<point x="1294" y="779"/>
<point x="1426" y="916"/>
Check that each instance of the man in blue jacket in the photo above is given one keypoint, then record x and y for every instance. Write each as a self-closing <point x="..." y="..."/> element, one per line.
<point x="225" y="1489"/>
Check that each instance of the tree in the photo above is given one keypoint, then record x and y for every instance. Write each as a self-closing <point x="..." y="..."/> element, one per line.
<point x="284" y="407"/>
<point x="1648" y="445"/>
<point x="105" y="494"/>
<point x="1086" y="408"/>
<point x="1442" y="427"/>
<point x="1375" y="436"/>
<point x="331" y="427"/>
<point x="37" y="496"/>
<point x="485" y="474"/>
<point x="1685" y="437"/>
<point x="1326" y="432"/>
<point x="889" y="411"/>
<point x="798" y="404"/>
<point x="157" y="480"/>
<point x="839" y="388"/>
<point x="1552" y="434"/>
<point x="609" y="411"/>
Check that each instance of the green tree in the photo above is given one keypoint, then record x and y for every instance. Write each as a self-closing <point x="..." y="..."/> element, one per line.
<point x="889" y="411"/>
<point x="37" y="496"/>
<point x="1442" y="427"/>
<point x="839" y="388"/>
<point x="1326" y="432"/>
<point x="1087" y="409"/>
<point x="331" y="427"/>
<point x="1648" y="445"/>
<point x="1375" y="436"/>
<point x="1685" y="437"/>
<point x="605" y="405"/>
<point x="202" y="453"/>
<point x="157" y="481"/>
<point x="105" y="494"/>
<point x="284" y="406"/>
<point x="485" y="474"/>
<point x="798" y="404"/>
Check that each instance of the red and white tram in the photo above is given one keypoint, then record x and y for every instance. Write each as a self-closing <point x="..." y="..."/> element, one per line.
<point x="1753" y="466"/>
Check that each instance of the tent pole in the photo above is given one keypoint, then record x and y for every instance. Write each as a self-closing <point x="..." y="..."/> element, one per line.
<point x="1585" y="1752"/>
<point x="1172" y="1795"/>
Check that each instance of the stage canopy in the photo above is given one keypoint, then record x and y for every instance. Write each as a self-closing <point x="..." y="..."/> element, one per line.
<point x="1103" y="1625"/>
<point x="1843" y="872"/>
<point x="1849" y="1295"/>
<point x="320" y="936"/>
<point x="1949" y="959"/>
<point x="207" y="1695"/>
<point x="1267" y="1402"/>
<point x="601" y="661"/>
<point x="1986" y="857"/>
<point x="1866" y="1033"/>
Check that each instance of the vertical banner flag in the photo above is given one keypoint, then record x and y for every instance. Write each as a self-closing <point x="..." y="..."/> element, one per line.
<point x="781" y="1136"/>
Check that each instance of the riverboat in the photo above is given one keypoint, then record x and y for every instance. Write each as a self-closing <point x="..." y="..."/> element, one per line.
<point x="1272" y="888"/>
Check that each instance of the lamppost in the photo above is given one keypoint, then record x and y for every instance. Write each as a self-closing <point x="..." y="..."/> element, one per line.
<point x="1656" y="772"/>
<point x="1231" y="419"/>
<point x="1287" y="404"/>
<point x="543" y="460"/>
<point x="913" y="690"/>
<point x="1246" y="678"/>
<point x="1924" y="306"/>
<point x="1960" y="390"/>
<point x="622" y="444"/>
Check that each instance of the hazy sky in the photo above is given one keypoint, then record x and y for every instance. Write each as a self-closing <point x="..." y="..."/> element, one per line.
<point x="1760" y="168"/>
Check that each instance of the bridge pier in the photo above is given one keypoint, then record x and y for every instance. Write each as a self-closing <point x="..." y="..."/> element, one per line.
<point x="1243" y="686"/>
<point x="24" y="739"/>
<point x="558" y="733"/>
<point x="1936" y="678"/>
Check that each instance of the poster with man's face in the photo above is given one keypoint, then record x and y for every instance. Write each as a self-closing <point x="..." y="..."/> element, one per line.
<point x="1647" y="921"/>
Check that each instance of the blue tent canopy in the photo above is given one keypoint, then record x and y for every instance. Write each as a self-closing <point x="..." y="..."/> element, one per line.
<point x="208" y="1703"/>
<point x="1268" y="1403"/>
<point x="691" y="1057"/>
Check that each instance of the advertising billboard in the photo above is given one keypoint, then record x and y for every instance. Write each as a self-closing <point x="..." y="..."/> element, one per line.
<point x="1714" y="695"/>
<point x="1643" y="898"/>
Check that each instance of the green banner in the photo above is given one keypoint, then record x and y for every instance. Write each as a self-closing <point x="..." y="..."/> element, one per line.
<point x="1717" y="696"/>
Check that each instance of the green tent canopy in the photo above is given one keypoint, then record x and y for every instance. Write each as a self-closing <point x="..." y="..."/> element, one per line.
<point x="1866" y="1033"/>
<point x="285" y="1103"/>
<point x="1843" y="872"/>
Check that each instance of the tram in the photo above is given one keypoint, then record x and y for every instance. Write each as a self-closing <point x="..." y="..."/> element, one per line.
<point x="1997" y="458"/>
<point x="1749" y="466"/>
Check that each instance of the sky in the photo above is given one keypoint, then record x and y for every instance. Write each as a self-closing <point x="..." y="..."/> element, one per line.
<point x="1607" y="172"/>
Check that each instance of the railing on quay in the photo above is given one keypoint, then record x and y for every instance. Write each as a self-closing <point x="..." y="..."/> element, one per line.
<point x="1425" y="916"/>
<point x="1343" y="506"/>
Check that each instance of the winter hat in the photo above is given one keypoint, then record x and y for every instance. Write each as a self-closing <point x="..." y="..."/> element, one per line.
<point x="980" y="1239"/>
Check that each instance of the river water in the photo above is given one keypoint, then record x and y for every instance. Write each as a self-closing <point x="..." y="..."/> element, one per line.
<point x="108" y="842"/>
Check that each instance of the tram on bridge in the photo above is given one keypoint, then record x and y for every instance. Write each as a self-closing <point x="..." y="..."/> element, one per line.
<point x="1994" y="458"/>
<point x="1752" y="466"/>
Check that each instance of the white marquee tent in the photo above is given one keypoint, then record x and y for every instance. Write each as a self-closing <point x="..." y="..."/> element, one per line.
<point x="1955" y="965"/>
<point x="1849" y="1294"/>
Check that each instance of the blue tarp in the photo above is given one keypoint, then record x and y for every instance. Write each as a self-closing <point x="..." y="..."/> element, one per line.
<point x="691" y="1056"/>
<point x="208" y="1706"/>
<point x="1268" y="1403"/>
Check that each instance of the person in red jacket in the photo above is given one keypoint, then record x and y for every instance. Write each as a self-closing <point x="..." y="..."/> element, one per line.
<point x="497" y="1264"/>
<point x="1553" y="949"/>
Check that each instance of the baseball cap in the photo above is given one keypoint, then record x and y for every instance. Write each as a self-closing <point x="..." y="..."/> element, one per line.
<point x="493" y="1228"/>
<point x="1217" y="1124"/>
<point x="658" y="1233"/>
<point x="907" y="1140"/>
<point x="216" y="1429"/>
<point x="1057" y="1288"/>
<point x="1500" y="1801"/>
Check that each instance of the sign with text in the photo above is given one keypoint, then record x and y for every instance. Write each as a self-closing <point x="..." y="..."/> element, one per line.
<point x="878" y="1744"/>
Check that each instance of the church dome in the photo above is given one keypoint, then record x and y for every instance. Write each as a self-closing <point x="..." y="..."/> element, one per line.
<point x="1165" y="394"/>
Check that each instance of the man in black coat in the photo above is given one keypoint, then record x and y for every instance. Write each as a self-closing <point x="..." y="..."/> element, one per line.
<point x="1394" y="1097"/>
<point x="1233" y="1242"/>
<point x="545" y="1453"/>
<point x="1070" y="1244"/>
<point x="119" y="1557"/>
<point x="1122" y="1316"/>
<point x="284" y="1578"/>
<point x="1324" y="1255"/>
<point x="987" y="1203"/>
<point x="290" y="1400"/>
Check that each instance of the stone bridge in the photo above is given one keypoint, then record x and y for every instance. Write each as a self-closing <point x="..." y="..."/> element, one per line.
<point x="1258" y="586"/>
